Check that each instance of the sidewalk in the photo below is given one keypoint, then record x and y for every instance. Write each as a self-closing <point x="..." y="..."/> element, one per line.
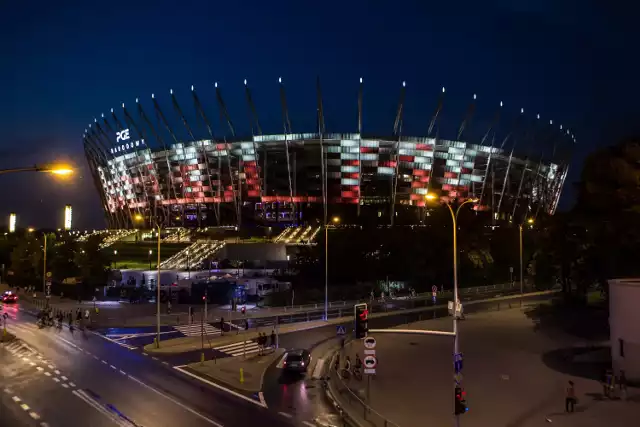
<point x="507" y="375"/>
<point x="185" y="344"/>
<point x="227" y="370"/>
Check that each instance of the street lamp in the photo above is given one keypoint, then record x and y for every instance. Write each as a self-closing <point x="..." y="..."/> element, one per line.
<point x="335" y="220"/>
<point x="140" y="218"/>
<point x="530" y="221"/>
<point x="150" y="253"/>
<point x="115" y="260"/>
<point x="56" y="169"/>
<point x="454" y="219"/>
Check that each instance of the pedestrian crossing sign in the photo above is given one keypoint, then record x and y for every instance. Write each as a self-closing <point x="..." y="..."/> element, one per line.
<point x="340" y="330"/>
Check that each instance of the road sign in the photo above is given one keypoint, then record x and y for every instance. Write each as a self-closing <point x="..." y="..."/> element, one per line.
<point x="457" y="378"/>
<point x="370" y="371"/>
<point x="340" y="330"/>
<point x="370" y="342"/>
<point x="48" y="274"/>
<point x="434" y="289"/>
<point x="370" y="362"/>
<point x="457" y="362"/>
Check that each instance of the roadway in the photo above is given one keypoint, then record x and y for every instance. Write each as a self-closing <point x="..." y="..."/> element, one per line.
<point x="77" y="378"/>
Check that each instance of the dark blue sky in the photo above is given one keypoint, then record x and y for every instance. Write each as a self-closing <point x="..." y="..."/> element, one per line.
<point x="63" y="63"/>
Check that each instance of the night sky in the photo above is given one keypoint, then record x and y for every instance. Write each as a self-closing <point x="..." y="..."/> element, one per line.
<point x="63" y="63"/>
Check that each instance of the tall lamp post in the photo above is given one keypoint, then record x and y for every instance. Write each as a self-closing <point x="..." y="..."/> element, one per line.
<point x="150" y="253"/>
<point x="335" y="220"/>
<point x="530" y="222"/>
<point x="158" y="228"/>
<point x="454" y="219"/>
<point x="60" y="170"/>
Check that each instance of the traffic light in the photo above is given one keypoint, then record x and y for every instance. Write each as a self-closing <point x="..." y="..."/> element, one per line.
<point x="361" y="320"/>
<point x="460" y="401"/>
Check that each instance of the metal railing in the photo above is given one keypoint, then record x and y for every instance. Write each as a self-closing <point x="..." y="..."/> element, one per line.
<point x="358" y="407"/>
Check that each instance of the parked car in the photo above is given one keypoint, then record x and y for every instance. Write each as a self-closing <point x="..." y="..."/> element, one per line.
<point x="297" y="361"/>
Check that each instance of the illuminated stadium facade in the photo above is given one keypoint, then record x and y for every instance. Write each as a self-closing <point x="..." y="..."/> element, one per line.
<point x="210" y="180"/>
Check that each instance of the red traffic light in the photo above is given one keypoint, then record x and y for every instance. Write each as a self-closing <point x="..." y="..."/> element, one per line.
<point x="203" y="297"/>
<point x="364" y="314"/>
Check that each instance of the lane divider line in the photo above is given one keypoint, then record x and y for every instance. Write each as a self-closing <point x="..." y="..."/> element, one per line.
<point x="34" y="415"/>
<point x="218" y="386"/>
<point x="284" y="414"/>
<point x="194" y="412"/>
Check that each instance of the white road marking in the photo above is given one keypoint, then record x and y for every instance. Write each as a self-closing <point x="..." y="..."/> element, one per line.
<point x="40" y="368"/>
<point x="34" y="415"/>
<point x="127" y="346"/>
<point x="64" y="378"/>
<point x="71" y="384"/>
<point x="47" y="373"/>
<point x="57" y="372"/>
<point x="112" y="367"/>
<point x="210" y="421"/>
<point x="317" y="372"/>
<point x="7" y="390"/>
<point x="32" y="363"/>
<point x="26" y="359"/>
<point x="16" y="399"/>
<point x="44" y="425"/>
<point x="144" y="354"/>
<point x="51" y="366"/>
<point x="284" y="414"/>
<point x="25" y="407"/>
<point x="104" y="361"/>
<point x="218" y="386"/>
<point x="261" y="397"/>
<point x="154" y="358"/>
<point x="280" y="363"/>
<point x="65" y="385"/>
<point x="307" y="423"/>
<point x="95" y="405"/>
<point x="96" y="357"/>
<point x="56" y="379"/>
<point x="166" y="363"/>
<point x="123" y="372"/>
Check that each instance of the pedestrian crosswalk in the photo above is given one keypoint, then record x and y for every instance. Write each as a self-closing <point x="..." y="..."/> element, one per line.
<point x="195" y="330"/>
<point x="239" y="348"/>
<point x="19" y="349"/>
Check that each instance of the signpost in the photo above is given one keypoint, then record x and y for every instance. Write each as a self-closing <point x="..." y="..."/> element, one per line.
<point x="340" y="330"/>
<point x="434" y="293"/>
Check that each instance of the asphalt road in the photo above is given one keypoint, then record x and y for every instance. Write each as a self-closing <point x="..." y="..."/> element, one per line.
<point x="142" y="391"/>
<point x="303" y="396"/>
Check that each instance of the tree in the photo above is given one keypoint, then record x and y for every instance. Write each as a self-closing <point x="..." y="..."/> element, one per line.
<point x="93" y="263"/>
<point x="26" y="262"/>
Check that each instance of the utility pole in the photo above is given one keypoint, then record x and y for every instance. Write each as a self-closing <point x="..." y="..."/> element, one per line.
<point x="44" y="267"/>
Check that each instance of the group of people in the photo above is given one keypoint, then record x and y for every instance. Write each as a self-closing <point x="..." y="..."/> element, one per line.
<point x="348" y="369"/>
<point x="49" y="316"/>
<point x="262" y="342"/>
<point x="609" y="384"/>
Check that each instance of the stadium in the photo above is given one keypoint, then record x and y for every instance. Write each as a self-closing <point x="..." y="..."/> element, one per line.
<point x="145" y="173"/>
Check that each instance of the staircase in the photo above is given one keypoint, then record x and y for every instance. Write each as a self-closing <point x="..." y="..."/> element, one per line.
<point x="193" y="255"/>
<point x="178" y="235"/>
<point x="115" y="235"/>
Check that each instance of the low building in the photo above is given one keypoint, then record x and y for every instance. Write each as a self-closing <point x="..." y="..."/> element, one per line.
<point x="624" y="321"/>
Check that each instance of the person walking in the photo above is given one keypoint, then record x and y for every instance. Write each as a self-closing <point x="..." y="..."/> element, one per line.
<point x="622" y="385"/>
<point x="570" y="399"/>
<point x="273" y="339"/>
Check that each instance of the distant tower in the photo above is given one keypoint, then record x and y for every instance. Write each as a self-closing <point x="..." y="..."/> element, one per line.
<point x="67" y="217"/>
<point x="12" y="223"/>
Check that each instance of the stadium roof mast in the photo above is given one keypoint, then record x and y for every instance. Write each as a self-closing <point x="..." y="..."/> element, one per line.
<point x="99" y="155"/>
<point x="525" y="166"/>
<point x="96" y="153"/>
<point x="515" y="141"/>
<point x="397" y="130"/>
<point x="434" y="119"/>
<point x="463" y="126"/>
<point x="159" y="139"/>
<point x="203" y="116"/>
<point x="112" y="144"/>
<point x="321" y="131"/>
<point x="253" y="119"/>
<point x="164" y="121"/>
<point x="178" y="110"/>
<point x="494" y="124"/>
<point x="431" y="126"/>
<point x="360" y="118"/>
<point x="138" y="165"/>
<point x="224" y="116"/>
<point x="286" y="122"/>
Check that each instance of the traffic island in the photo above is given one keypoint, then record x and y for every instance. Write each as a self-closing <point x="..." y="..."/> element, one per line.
<point x="242" y="374"/>
<point x="6" y="337"/>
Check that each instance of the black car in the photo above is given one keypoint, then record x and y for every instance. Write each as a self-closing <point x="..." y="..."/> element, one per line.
<point x="297" y="361"/>
<point x="9" y="296"/>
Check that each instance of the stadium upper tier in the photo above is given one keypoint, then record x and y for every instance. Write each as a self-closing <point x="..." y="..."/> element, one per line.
<point x="298" y="177"/>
